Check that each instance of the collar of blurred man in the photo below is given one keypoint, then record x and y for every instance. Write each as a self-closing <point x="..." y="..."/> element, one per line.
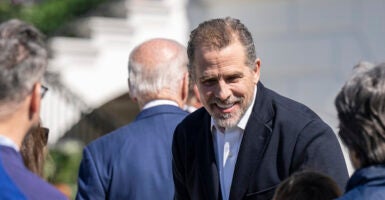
<point x="4" y="141"/>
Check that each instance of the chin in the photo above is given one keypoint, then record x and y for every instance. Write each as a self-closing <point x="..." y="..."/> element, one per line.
<point x="227" y="122"/>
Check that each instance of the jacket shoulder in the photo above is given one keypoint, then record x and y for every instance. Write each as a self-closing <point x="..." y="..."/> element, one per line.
<point x="290" y="112"/>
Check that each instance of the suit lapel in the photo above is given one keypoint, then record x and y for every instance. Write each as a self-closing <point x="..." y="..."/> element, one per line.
<point x="207" y="163"/>
<point x="255" y="137"/>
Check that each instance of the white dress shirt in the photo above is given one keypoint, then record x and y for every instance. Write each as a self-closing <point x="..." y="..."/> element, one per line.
<point x="226" y="146"/>
<point x="158" y="103"/>
<point x="8" y="142"/>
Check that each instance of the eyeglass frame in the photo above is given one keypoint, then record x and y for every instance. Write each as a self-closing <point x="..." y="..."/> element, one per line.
<point x="43" y="90"/>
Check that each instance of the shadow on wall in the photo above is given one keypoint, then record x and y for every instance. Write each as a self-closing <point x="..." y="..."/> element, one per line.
<point x="112" y="115"/>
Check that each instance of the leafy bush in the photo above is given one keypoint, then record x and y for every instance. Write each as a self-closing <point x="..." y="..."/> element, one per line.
<point x="62" y="165"/>
<point x="48" y="15"/>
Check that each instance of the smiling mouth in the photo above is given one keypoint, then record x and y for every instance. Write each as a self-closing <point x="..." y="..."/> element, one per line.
<point x="225" y="108"/>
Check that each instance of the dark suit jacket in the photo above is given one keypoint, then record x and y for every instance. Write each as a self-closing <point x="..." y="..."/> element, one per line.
<point x="132" y="162"/>
<point x="23" y="184"/>
<point x="281" y="137"/>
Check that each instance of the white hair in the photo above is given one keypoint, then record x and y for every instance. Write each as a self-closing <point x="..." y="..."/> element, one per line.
<point x="148" y="81"/>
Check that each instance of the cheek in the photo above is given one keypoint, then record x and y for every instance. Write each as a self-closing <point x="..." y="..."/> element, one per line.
<point x="244" y="89"/>
<point x="240" y="90"/>
<point x="204" y="93"/>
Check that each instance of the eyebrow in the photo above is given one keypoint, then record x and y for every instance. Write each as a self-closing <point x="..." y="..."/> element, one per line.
<point x="205" y="77"/>
<point x="208" y="77"/>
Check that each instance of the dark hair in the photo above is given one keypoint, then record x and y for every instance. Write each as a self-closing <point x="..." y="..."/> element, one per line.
<point x="306" y="185"/>
<point x="33" y="149"/>
<point x="361" y="112"/>
<point x="219" y="33"/>
<point x="23" y="59"/>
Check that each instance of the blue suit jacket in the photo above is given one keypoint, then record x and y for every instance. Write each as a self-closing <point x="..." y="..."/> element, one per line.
<point x="366" y="183"/>
<point x="7" y="187"/>
<point x="132" y="162"/>
<point x="22" y="183"/>
<point x="281" y="136"/>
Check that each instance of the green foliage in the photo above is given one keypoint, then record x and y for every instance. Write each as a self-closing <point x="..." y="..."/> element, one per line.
<point x="62" y="164"/>
<point x="8" y="11"/>
<point x="49" y="15"/>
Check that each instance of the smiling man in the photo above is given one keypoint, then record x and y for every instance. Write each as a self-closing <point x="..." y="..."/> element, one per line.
<point x="246" y="139"/>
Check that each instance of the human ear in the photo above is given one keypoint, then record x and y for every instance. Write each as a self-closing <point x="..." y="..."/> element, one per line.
<point x="35" y="100"/>
<point x="257" y="70"/>
<point x="185" y="86"/>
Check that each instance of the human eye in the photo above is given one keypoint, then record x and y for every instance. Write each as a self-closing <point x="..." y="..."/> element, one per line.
<point x="208" y="82"/>
<point x="233" y="78"/>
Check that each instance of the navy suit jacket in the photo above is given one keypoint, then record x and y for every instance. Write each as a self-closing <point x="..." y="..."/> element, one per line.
<point x="22" y="183"/>
<point x="281" y="137"/>
<point x="132" y="162"/>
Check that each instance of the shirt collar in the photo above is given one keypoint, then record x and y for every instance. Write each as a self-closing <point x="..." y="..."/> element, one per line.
<point x="244" y="119"/>
<point x="158" y="103"/>
<point x="8" y="142"/>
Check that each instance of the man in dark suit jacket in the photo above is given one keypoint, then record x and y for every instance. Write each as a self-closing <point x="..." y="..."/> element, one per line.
<point x="247" y="138"/>
<point x="134" y="162"/>
<point x="23" y="60"/>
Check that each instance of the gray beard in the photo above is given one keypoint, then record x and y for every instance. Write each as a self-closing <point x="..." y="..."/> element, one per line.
<point x="226" y="121"/>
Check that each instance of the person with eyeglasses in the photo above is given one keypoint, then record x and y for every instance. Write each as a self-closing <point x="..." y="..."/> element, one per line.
<point x="23" y="60"/>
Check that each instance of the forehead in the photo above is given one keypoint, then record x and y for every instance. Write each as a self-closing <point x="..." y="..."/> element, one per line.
<point x="231" y="57"/>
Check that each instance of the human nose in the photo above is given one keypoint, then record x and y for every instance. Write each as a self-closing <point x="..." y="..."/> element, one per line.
<point x="223" y="91"/>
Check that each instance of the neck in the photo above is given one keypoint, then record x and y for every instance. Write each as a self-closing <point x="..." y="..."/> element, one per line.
<point x="162" y="95"/>
<point x="15" y="133"/>
<point x="15" y="126"/>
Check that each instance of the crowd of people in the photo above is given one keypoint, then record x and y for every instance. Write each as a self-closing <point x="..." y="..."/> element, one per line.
<point x="208" y="128"/>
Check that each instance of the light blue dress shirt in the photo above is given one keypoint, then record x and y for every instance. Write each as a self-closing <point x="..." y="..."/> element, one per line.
<point x="226" y="146"/>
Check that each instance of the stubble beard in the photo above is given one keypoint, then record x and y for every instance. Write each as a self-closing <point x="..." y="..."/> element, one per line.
<point x="228" y="120"/>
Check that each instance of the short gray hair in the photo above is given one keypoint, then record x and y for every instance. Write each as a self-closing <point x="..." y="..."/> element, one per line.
<point x="217" y="34"/>
<point x="144" y="83"/>
<point x="23" y="60"/>
<point x="361" y="112"/>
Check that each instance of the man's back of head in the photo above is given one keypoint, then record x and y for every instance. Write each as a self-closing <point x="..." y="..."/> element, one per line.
<point x="306" y="185"/>
<point x="158" y="70"/>
<point x="361" y="111"/>
<point x="23" y="60"/>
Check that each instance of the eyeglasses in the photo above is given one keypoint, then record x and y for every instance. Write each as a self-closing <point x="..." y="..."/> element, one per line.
<point x="43" y="90"/>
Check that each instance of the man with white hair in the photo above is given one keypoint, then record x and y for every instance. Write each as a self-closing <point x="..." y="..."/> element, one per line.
<point x="134" y="161"/>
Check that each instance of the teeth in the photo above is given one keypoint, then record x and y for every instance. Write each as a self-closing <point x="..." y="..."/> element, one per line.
<point x="224" y="106"/>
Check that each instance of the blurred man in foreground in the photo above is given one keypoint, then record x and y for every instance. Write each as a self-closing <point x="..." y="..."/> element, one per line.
<point x="23" y="60"/>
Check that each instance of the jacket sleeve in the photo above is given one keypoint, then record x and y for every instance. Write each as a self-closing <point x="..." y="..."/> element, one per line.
<point x="89" y="182"/>
<point x="317" y="148"/>
<point x="178" y="169"/>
